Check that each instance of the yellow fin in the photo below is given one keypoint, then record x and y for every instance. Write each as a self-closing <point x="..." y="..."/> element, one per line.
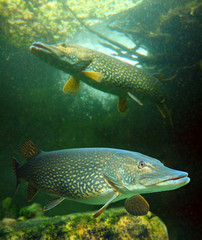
<point x="96" y="76"/>
<point x="122" y="104"/>
<point x="72" y="86"/>
<point x="136" y="205"/>
<point x="29" y="149"/>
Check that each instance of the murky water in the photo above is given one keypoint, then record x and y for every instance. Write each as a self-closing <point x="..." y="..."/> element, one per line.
<point x="33" y="105"/>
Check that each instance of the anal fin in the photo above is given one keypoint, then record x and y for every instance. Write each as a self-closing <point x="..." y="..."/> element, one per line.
<point x="136" y="205"/>
<point x="122" y="104"/>
<point x="31" y="192"/>
<point x="96" y="76"/>
<point x="53" y="203"/>
<point x="72" y="86"/>
<point x="101" y="210"/>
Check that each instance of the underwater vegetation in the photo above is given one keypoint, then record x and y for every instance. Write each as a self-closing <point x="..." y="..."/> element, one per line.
<point x="33" y="105"/>
<point x="23" y="22"/>
<point x="114" y="224"/>
<point x="172" y="38"/>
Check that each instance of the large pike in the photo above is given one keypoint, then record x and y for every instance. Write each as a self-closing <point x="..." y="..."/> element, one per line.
<point x="96" y="176"/>
<point x="105" y="73"/>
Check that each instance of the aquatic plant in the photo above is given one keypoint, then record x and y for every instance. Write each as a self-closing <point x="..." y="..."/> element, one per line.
<point x="23" y="22"/>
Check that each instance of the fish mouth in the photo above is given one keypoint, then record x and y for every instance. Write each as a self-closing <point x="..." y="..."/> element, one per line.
<point x="175" y="181"/>
<point x="38" y="48"/>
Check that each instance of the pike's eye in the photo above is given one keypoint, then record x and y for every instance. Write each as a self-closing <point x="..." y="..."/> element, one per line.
<point x="141" y="164"/>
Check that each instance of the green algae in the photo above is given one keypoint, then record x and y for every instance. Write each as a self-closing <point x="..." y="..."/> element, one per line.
<point x="23" y="22"/>
<point x="113" y="224"/>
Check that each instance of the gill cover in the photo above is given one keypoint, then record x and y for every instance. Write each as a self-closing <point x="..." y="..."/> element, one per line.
<point x="120" y="171"/>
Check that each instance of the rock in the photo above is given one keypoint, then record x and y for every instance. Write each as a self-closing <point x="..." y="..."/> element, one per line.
<point x="114" y="224"/>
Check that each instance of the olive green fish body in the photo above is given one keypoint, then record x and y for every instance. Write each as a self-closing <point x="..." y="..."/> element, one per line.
<point x="76" y="174"/>
<point x="95" y="176"/>
<point x="104" y="73"/>
<point x="120" y="77"/>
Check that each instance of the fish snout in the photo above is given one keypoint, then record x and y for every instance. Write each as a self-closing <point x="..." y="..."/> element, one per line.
<point x="41" y="48"/>
<point x="173" y="180"/>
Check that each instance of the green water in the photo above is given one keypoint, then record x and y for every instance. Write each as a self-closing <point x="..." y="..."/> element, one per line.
<point x="33" y="106"/>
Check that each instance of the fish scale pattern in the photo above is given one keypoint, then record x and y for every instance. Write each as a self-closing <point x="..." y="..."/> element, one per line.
<point x="76" y="174"/>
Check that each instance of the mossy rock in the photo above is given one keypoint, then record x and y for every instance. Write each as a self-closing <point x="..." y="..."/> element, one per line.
<point x="112" y="224"/>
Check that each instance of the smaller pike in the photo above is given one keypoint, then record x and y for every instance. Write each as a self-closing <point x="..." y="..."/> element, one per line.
<point x="96" y="176"/>
<point x="104" y="73"/>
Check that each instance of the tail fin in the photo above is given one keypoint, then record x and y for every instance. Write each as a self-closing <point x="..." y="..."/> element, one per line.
<point x="15" y="167"/>
<point x="165" y="112"/>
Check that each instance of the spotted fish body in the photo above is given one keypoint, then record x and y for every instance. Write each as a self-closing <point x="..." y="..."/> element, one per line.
<point x="95" y="176"/>
<point x="103" y="72"/>
<point x="75" y="173"/>
<point x="119" y="77"/>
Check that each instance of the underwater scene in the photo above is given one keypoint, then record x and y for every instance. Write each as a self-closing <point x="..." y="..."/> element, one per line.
<point x="100" y="115"/>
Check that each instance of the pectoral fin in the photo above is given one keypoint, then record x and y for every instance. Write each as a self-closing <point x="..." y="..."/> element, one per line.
<point x="72" y="86"/>
<point x="101" y="210"/>
<point x="31" y="192"/>
<point x="53" y="203"/>
<point x="96" y="76"/>
<point x="136" y="205"/>
<point x="122" y="104"/>
<point x="135" y="99"/>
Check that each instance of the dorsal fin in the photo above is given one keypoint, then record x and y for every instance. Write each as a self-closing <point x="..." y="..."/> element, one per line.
<point x="29" y="149"/>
